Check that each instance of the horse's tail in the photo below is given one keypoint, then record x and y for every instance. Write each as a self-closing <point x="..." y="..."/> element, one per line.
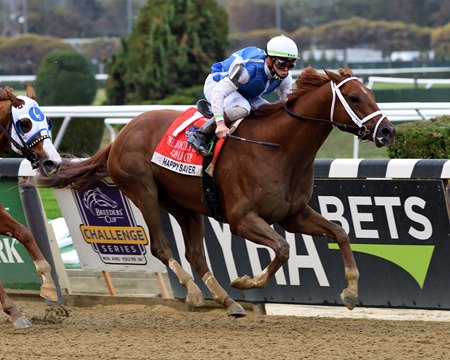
<point x="77" y="173"/>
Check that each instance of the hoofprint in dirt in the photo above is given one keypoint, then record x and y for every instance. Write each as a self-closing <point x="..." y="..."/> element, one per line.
<point x="136" y="331"/>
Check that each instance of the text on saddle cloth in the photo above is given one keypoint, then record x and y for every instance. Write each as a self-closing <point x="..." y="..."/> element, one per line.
<point x="173" y="152"/>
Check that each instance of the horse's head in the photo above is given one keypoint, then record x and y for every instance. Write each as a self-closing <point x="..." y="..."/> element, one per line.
<point x="355" y="110"/>
<point x="30" y="132"/>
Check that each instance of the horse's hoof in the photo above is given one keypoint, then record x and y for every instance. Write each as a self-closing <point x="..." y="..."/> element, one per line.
<point x="48" y="292"/>
<point x="236" y="310"/>
<point x="22" y="323"/>
<point x="195" y="300"/>
<point x="242" y="283"/>
<point x="349" y="300"/>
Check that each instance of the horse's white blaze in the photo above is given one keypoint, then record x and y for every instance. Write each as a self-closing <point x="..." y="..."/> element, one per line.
<point x="51" y="152"/>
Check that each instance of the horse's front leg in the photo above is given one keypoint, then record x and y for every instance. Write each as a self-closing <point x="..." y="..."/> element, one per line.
<point x="312" y="223"/>
<point x="19" y="320"/>
<point x="255" y="229"/>
<point x="10" y="227"/>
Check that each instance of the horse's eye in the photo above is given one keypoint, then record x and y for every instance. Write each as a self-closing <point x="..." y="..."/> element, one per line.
<point x="23" y="126"/>
<point x="354" y="99"/>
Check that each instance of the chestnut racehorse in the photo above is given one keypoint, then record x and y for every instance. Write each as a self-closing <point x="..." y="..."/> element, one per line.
<point x="26" y="130"/>
<point x="257" y="185"/>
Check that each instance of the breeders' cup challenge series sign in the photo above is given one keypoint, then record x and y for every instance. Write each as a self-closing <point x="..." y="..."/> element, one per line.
<point x="105" y="229"/>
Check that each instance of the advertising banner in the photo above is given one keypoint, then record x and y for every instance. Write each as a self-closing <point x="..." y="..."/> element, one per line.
<point x="108" y="231"/>
<point x="399" y="233"/>
<point x="17" y="270"/>
<point x="398" y="227"/>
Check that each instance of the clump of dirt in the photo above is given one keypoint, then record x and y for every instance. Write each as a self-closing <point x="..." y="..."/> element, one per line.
<point x="53" y="315"/>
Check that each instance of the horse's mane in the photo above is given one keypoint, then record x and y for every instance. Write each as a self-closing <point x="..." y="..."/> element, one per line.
<point x="309" y="80"/>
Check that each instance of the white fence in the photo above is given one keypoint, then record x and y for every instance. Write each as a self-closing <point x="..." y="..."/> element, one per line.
<point x="30" y="78"/>
<point x="119" y="115"/>
<point x="391" y="71"/>
<point x="122" y="114"/>
<point x="396" y="80"/>
<point x="357" y="72"/>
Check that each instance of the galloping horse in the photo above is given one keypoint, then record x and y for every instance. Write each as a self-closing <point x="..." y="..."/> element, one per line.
<point x="26" y="130"/>
<point x="257" y="186"/>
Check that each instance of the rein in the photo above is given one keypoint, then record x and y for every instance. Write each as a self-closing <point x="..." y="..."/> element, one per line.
<point x="344" y="127"/>
<point x="234" y="137"/>
<point x="359" y="128"/>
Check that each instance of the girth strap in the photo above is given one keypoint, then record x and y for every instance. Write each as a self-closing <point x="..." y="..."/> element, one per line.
<point x="210" y="191"/>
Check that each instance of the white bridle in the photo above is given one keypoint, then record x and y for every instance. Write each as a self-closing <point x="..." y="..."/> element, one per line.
<point x="359" y="122"/>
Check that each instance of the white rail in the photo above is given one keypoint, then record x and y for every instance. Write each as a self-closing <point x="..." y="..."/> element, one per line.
<point x="122" y="114"/>
<point x="30" y="78"/>
<point x="396" y="80"/>
<point x="391" y="71"/>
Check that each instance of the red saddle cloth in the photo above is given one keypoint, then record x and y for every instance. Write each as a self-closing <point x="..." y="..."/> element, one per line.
<point x="173" y="152"/>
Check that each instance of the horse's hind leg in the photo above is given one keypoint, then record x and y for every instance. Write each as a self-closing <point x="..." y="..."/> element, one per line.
<point x="143" y="193"/>
<point x="312" y="223"/>
<point x="19" y="320"/>
<point x="192" y="226"/>
<point x="11" y="227"/>
<point x="160" y="249"/>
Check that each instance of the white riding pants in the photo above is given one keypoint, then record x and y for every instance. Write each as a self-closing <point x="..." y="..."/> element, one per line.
<point x="235" y="105"/>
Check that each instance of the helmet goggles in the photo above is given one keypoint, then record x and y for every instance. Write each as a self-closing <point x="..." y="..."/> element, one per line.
<point x="284" y="63"/>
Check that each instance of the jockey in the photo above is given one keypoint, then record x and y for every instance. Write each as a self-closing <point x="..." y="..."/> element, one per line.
<point x="237" y="84"/>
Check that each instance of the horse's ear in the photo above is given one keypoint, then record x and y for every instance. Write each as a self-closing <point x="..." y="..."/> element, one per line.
<point x="31" y="93"/>
<point x="3" y="94"/>
<point x="15" y="101"/>
<point x="346" y="72"/>
<point x="333" y="76"/>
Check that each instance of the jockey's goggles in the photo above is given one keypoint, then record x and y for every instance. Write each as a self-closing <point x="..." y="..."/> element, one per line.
<point x="282" y="64"/>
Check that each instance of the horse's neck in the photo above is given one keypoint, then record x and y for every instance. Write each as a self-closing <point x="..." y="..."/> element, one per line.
<point x="5" y="121"/>
<point x="304" y="137"/>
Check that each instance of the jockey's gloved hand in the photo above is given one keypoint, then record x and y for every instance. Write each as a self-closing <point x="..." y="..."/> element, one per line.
<point x="221" y="129"/>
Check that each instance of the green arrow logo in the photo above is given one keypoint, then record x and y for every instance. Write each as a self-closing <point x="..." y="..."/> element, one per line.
<point x="414" y="259"/>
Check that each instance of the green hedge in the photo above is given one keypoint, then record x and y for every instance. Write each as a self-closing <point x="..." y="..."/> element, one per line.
<point x="66" y="78"/>
<point x="428" y="139"/>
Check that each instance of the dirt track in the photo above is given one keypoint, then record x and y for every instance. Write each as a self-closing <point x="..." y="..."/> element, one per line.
<point x="163" y="332"/>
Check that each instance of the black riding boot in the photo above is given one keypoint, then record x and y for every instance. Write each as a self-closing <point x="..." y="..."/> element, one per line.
<point x="199" y="139"/>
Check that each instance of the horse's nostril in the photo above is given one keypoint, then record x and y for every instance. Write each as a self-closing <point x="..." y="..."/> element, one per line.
<point x="388" y="133"/>
<point x="51" y="166"/>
